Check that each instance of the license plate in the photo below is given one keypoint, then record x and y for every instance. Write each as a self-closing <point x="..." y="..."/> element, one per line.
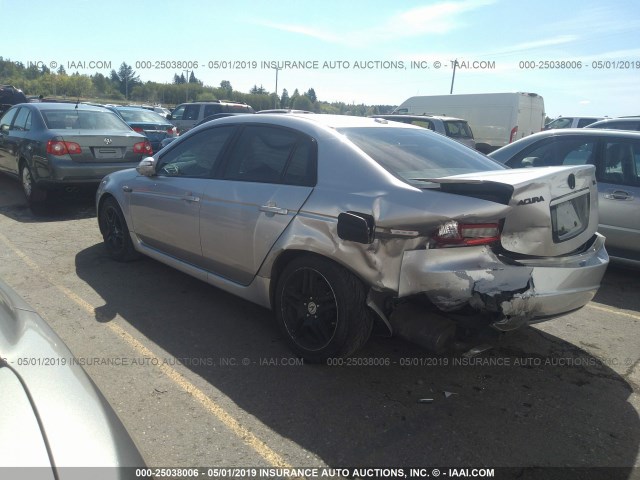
<point x="570" y="218"/>
<point x="107" y="153"/>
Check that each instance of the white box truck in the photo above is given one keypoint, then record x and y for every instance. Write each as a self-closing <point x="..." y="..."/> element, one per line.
<point x="495" y="118"/>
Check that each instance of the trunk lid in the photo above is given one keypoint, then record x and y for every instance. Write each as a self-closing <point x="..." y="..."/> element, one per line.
<point x="554" y="209"/>
<point x="102" y="146"/>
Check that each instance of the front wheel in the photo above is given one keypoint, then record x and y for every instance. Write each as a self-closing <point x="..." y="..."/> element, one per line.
<point x="321" y="310"/>
<point x="115" y="232"/>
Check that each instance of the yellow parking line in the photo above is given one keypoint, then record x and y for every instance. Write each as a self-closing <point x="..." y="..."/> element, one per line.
<point x="615" y="311"/>
<point x="212" y="407"/>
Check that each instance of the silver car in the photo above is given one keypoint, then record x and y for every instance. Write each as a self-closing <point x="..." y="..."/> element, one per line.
<point x="334" y="221"/>
<point x="53" y="418"/>
<point x="615" y="154"/>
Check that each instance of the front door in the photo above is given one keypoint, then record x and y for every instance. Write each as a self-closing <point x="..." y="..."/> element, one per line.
<point x="165" y="208"/>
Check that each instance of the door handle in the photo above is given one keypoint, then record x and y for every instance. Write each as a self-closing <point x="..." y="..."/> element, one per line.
<point x="618" y="195"/>
<point x="274" y="209"/>
<point x="190" y="197"/>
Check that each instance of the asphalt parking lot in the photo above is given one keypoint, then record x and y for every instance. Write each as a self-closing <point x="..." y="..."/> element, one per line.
<point x="202" y="378"/>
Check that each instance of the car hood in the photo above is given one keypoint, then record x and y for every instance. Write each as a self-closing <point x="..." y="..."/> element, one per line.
<point x="81" y="428"/>
<point x="554" y="210"/>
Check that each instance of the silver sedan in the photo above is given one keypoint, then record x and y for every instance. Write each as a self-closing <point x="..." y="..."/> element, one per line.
<point x="53" y="418"/>
<point x="336" y="222"/>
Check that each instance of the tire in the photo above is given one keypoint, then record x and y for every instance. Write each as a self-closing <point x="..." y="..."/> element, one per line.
<point x="113" y="226"/>
<point x="321" y="309"/>
<point x="35" y="195"/>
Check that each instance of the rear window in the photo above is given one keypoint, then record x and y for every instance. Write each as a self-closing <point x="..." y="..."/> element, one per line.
<point x="457" y="129"/>
<point x="142" y="116"/>
<point x="238" y="109"/>
<point x="83" y="120"/>
<point x="416" y="155"/>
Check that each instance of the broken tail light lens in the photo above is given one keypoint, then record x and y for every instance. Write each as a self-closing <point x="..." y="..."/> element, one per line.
<point x="454" y="233"/>
<point x="143" y="147"/>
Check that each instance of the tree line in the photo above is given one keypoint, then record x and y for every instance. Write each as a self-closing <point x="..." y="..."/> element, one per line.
<point x="125" y="85"/>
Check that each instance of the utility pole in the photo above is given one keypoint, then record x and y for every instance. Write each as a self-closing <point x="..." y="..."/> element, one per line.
<point x="455" y="64"/>
<point x="187" y="99"/>
<point x="275" y="102"/>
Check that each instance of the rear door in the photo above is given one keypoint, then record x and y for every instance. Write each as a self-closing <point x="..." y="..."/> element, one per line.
<point x="266" y="178"/>
<point x="619" y="196"/>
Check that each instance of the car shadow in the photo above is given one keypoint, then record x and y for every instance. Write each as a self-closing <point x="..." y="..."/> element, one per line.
<point x="70" y="204"/>
<point x="531" y="400"/>
<point x="620" y="287"/>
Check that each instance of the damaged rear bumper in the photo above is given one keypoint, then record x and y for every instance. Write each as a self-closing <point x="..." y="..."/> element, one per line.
<point x="513" y="293"/>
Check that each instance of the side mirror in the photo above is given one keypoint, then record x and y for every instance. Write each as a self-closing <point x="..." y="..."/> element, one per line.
<point x="531" y="162"/>
<point x="147" y="167"/>
<point x="356" y="227"/>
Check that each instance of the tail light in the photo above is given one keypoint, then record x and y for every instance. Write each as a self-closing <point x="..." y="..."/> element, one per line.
<point x="173" y="131"/>
<point x="138" y="129"/>
<point x="453" y="234"/>
<point x="514" y="133"/>
<point x="59" y="147"/>
<point x="143" y="147"/>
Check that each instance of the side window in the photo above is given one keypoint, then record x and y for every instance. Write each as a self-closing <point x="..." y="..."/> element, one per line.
<point x="191" y="112"/>
<point x="558" y="151"/>
<point x="211" y="110"/>
<point x="5" y="122"/>
<point x="178" y="113"/>
<point x="583" y="122"/>
<point x="272" y="155"/>
<point x="621" y="163"/>
<point x="23" y="120"/>
<point x="197" y="156"/>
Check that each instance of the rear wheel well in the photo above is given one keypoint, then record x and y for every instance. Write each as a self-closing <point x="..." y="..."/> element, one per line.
<point x="287" y="257"/>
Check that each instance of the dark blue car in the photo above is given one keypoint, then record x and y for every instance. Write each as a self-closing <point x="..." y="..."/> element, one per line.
<point x="155" y="127"/>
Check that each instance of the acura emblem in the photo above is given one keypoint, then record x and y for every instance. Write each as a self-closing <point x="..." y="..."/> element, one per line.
<point x="108" y="141"/>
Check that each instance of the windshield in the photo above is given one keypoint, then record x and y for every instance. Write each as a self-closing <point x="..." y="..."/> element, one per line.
<point x="83" y="120"/>
<point x="418" y="154"/>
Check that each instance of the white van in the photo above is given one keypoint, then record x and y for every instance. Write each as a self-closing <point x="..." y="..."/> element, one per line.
<point x="495" y="118"/>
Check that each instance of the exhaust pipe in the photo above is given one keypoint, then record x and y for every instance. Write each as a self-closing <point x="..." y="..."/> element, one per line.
<point x="428" y="329"/>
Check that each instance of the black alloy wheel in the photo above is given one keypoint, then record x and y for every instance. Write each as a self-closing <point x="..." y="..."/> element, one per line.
<point x="321" y="309"/>
<point x="115" y="233"/>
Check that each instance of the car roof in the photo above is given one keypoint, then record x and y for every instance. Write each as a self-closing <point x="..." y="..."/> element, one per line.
<point x="65" y="106"/>
<point x="563" y="132"/>
<point x="309" y="123"/>
<point x="445" y="118"/>
<point x="617" y="120"/>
